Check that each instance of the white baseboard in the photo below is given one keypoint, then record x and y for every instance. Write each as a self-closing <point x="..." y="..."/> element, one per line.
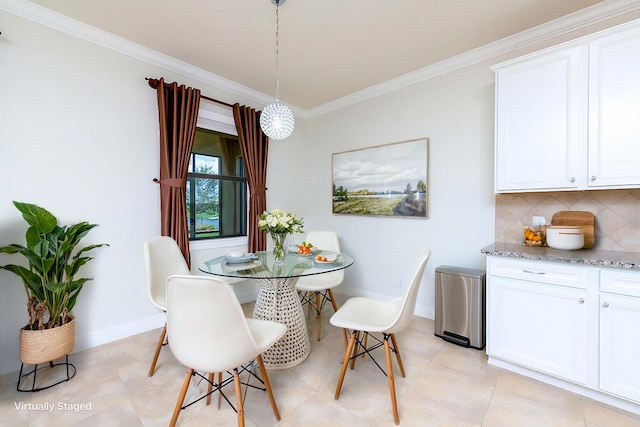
<point x="92" y="339"/>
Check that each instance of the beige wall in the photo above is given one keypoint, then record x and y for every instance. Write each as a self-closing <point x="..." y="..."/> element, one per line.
<point x="617" y="215"/>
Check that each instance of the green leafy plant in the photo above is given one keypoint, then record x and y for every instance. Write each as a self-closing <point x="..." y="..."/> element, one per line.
<point x="50" y="280"/>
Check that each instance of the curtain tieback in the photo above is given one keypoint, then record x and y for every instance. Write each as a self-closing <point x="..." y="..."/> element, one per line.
<point x="257" y="189"/>
<point x="172" y="182"/>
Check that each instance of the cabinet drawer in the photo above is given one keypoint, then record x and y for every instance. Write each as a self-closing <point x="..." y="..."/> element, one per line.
<point x="538" y="271"/>
<point x="620" y="282"/>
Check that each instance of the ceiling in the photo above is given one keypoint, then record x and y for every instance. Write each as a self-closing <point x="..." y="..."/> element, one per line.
<point x="328" y="48"/>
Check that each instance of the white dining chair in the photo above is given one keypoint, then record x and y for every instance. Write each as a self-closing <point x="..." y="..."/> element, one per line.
<point x="163" y="258"/>
<point x="316" y="290"/>
<point x="209" y="333"/>
<point x="364" y="316"/>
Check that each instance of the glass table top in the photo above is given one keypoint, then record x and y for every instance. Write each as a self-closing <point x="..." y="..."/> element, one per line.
<point x="266" y="267"/>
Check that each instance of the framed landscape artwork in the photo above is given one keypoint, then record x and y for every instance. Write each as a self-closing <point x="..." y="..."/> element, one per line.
<point x="385" y="180"/>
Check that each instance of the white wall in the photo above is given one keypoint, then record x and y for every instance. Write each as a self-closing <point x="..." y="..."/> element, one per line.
<point x="455" y="112"/>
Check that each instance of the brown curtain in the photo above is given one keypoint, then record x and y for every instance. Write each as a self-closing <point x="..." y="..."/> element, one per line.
<point x="178" y="112"/>
<point x="254" y="145"/>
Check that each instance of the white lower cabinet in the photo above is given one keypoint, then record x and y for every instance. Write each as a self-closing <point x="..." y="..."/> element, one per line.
<point x="543" y="327"/>
<point x="620" y="335"/>
<point x="576" y="324"/>
<point x="539" y="325"/>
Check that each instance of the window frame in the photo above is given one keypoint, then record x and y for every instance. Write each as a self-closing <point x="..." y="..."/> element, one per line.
<point x="218" y="118"/>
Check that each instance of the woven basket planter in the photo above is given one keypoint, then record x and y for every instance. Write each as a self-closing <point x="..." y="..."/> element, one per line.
<point x="48" y="344"/>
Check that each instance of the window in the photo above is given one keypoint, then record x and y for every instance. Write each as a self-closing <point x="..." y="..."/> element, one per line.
<point x="216" y="187"/>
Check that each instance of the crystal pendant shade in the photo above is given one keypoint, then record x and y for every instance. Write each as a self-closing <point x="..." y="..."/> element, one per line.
<point x="277" y="121"/>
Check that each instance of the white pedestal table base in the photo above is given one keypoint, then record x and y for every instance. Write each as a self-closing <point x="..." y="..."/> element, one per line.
<point x="278" y="301"/>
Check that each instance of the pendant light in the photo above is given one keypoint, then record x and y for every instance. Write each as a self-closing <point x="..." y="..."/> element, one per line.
<point x="277" y="120"/>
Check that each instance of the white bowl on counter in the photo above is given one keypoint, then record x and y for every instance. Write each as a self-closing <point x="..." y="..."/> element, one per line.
<point x="565" y="237"/>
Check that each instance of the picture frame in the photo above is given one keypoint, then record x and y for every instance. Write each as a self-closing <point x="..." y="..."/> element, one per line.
<point x="384" y="180"/>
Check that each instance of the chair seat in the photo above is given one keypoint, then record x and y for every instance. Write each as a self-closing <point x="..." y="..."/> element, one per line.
<point x="265" y="332"/>
<point x="356" y="313"/>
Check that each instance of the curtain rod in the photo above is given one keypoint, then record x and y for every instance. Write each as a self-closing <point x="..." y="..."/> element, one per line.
<point x="154" y="84"/>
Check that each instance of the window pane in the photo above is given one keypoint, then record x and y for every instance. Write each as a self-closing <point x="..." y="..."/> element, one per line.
<point x="206" y="164"/>
<point x="218" y="210"/>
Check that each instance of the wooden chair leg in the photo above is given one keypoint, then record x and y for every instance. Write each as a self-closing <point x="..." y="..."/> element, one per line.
<point x="355" y="336"/>
<point x="390" y="379"/>
<point x="345" y="362"/>
<point x="240" y="408"/>
<point x="335" y="308"/>
<point x="267" y="385"/>
<point x="398" y="358"/>
<point x="366" y="337"/>
<point x="309" y="304"/>
<point x="219" y="391"/>
<point x="318" y="314"/>
<point x="209" y="388"/>
<point x="183" y="393"/>
<point x="158" y="348"/>
<point x="333" y="300"/>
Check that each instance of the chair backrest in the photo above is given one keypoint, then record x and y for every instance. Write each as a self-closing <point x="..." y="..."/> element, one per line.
<point x="409" y="303"/>
<point x="163" y="258"/>
<point x="327" y="240"/>
<point x="207" y="328"/>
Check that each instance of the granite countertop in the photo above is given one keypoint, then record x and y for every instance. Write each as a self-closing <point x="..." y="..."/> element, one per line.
<point x="592" y="257"/>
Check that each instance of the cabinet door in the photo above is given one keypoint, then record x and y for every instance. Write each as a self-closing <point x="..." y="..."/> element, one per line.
<point x="614" y="110"/>
<point x="620" y="345"/>
<point x="541" y="122"/>
<point x="540" y="326"/>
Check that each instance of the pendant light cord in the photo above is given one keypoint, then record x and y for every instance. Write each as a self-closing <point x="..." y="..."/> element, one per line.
<point x="277" y="50"/>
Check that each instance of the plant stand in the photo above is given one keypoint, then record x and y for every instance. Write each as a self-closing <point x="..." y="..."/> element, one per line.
<point x="40" y="347"/>
<point x="70" y="373"/>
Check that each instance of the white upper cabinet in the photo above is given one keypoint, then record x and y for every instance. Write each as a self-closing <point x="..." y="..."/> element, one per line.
<point x="614" y="110"/>
<point x="567" y="118"/>
<point x="539" y="121"/>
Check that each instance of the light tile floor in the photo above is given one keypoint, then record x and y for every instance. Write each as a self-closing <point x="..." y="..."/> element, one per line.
<point x="446" y="385"/>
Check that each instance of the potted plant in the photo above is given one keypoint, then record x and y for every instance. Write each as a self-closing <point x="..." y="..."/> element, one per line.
<point x="50" y="281"/>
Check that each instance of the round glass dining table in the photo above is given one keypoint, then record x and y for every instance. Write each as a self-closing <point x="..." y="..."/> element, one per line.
<point x="277" y="299"/>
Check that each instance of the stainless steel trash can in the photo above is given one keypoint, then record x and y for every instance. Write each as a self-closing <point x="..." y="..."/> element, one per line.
<point x="460" y="306"/>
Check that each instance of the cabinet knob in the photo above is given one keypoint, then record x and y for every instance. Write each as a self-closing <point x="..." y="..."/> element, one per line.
<point x="605" y="305"/>
<point x="593" y="177"/>
<point x="573" y="179"/>
<point x="581" y="300"/>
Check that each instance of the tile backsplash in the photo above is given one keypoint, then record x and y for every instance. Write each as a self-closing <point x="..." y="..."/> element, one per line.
<point x="617" y="214"/>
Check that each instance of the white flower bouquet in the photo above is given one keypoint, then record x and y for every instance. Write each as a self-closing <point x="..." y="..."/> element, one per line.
<point x="280" y="222"/>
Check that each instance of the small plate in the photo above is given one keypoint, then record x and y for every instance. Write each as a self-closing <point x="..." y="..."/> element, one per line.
<point x="239" y="261"/>
<point x="328" y="261"/>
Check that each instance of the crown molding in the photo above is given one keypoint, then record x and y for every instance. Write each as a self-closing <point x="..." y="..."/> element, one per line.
<point x="558" y="27"/>
<point x="39" y="14"/>
<point x="563" y="25"/>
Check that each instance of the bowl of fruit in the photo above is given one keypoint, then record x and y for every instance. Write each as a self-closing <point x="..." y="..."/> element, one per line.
<point x="305" y="249"/>
<point x="533" y="237"/>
